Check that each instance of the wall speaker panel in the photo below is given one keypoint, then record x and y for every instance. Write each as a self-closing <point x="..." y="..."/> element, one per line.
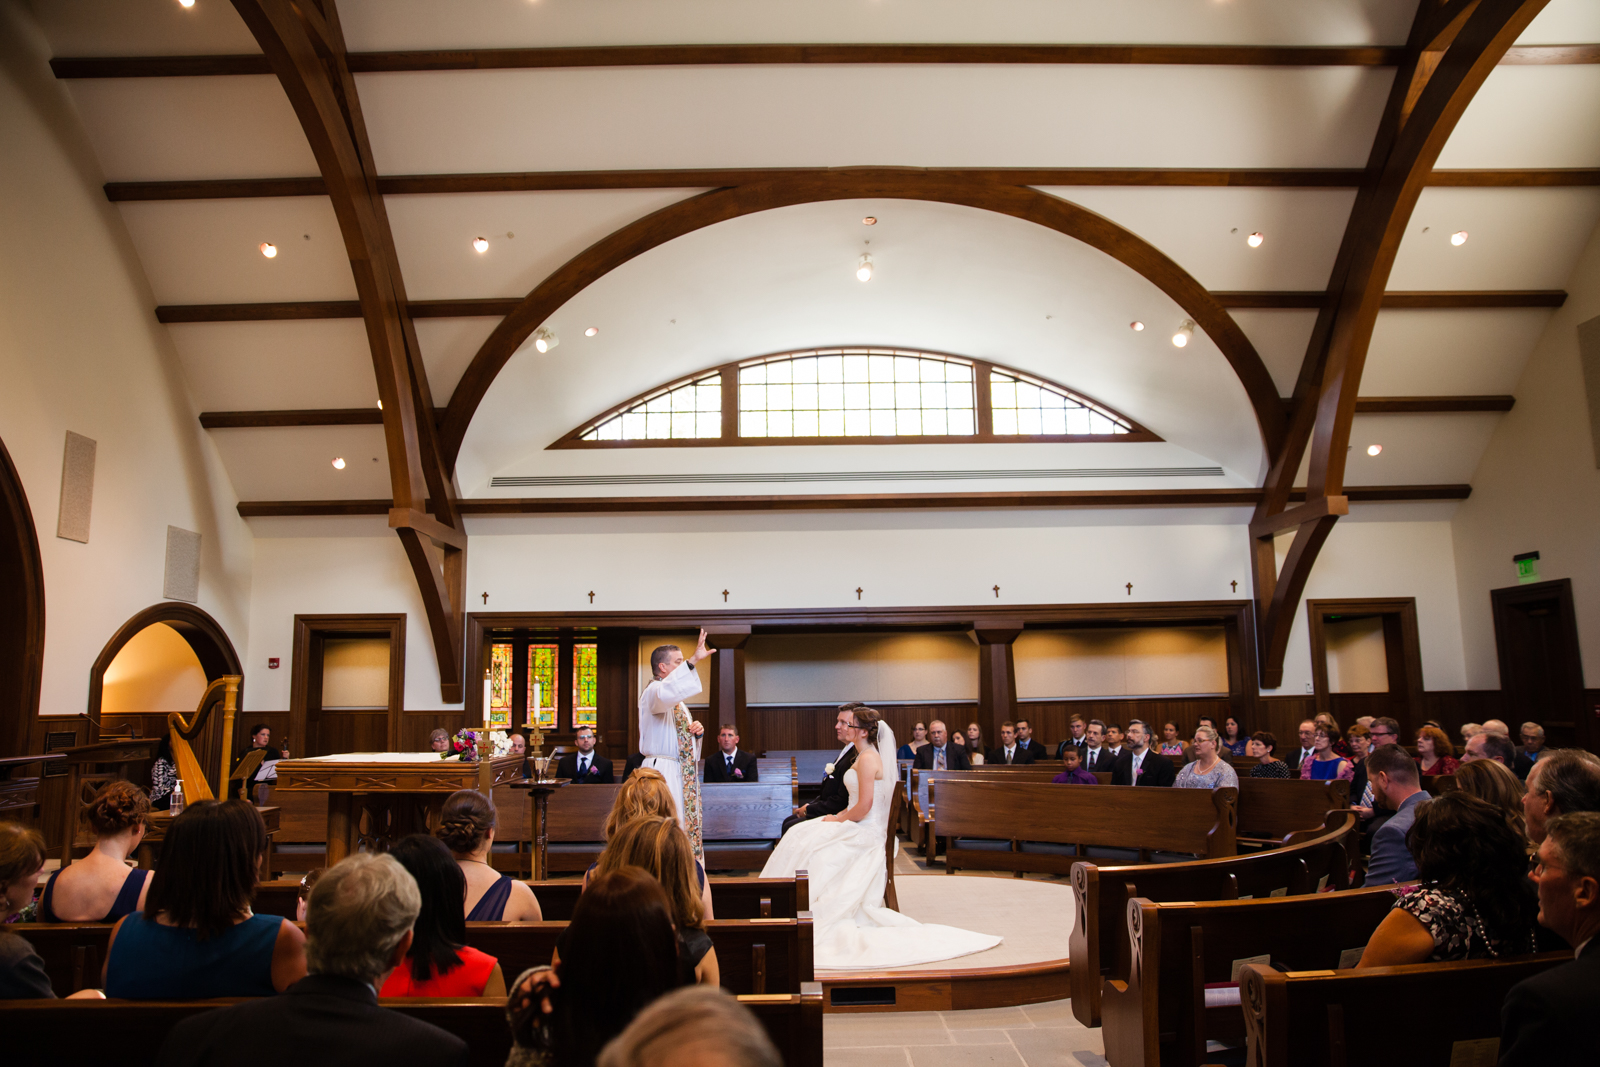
<point x="77" y="488"/>
<point x="1589" y="356"/>
<point x="182" y="580"/>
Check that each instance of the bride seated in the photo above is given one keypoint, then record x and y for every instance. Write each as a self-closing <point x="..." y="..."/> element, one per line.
<point x="844" y="855"/>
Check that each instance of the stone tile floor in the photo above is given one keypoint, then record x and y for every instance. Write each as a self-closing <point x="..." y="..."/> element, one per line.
<point x="1035" y="1035"/>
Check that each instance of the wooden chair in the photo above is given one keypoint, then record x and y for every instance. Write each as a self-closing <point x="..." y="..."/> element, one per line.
<point x="1315" y="1018"/>
<point x="1101" y="895"/>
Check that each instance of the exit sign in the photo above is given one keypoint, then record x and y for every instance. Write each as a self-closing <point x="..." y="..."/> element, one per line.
<point x="1527" y="567"/>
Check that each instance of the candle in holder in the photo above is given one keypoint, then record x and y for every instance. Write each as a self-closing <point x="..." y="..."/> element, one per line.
<point x="488" y="700"/>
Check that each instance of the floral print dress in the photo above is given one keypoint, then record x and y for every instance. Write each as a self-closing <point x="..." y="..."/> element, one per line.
<point x="1459" y="933"/>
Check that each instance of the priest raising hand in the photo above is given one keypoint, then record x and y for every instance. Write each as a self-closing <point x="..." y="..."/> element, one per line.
<point x="669" y="738"/>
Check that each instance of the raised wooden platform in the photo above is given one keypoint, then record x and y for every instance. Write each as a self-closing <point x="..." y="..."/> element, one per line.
<point x="1030" y="966"/>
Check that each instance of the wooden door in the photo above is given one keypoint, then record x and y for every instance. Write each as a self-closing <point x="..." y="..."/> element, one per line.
<point x="1541" y="670"/>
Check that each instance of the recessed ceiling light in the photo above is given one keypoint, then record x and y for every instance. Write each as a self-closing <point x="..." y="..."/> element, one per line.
<point x="1459" y="238"/>
<point x="186" y="3"/>
<point x="544" y="340"/>
<point x="591" y="331"/>
<point x="870" y="220"/>
<point x="480" y="244"/>
<point x="1186" y="331"/>
<point x="864" y="269"/>
<point x="1135" y="325"/>
<point x="1373" y="450"/>
<point x="338" y="463"/>
<point x="1255" y="239"/>
<point x="269" y="249"/>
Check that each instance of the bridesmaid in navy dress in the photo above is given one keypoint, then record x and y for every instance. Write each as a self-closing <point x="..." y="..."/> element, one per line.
<point x="100" y="888"/>
<point x="466" y="826"/>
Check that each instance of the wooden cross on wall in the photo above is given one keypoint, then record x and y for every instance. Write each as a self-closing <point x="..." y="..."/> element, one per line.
<point x="858" y="592"/>
<point x="997" y="592"/>
<point x="486" y="599"/>
<point x="1130" y="588"/>
<point x="724" y="596"/>
<point x="591" y="596"/>
<point x="1235" y="586"/>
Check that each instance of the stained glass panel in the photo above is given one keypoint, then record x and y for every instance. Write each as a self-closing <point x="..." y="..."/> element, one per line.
<point x="500" y="681"/>
<point x="585" y="685"/>
<point x="542" y="667"/>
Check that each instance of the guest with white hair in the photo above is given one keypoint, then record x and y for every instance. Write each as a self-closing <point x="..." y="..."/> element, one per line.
<point x="1495" y="726"/>
<point x="698" y="1024"/>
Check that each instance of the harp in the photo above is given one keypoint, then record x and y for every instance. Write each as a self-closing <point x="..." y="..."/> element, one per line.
<point x="221" y="698"/>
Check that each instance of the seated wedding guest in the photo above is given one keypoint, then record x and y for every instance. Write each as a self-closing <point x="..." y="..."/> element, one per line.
<point x="358" y="928"/>
<point x="197" y="936"/>
<point x="1096" y="756"/>
<point x="1495" y="726"/>
<point x="1548" y="1020"/>
<point x="1532" y="741"/>
<point x="1471" y="903"/>
<point x="439" y="741"/>
<point x="1139" y="764"/>
<point x="728" y="763"/>
<point x="646" y="794"/>
<point x="696" y="1025"/>
<point x="919" y="737"/>
<point x="1077" y="731"/>
<point x="1380" y="732"/>
<point x="466" y="826"/>
<point x="1324" y="764"/>
<point x="1074" y="773"/>
<point x="163" y="775"/>
<point x="563" y="1015"/>
<point x="1489" y="781"/>
<point x="1263" y="749"/>
<point x="308" y="882"/>
<point x="1565" y="780"/>
<point x="1114" y="740"/>
<point x="518" y="742"/>
<point x="975" y="744"/>
<point x="1435" y="753"/>
<point x="1025" y="739"/>
<point x="1308" y="740"/>
<point x="1359" y="738"/>
<point x="1334" y="732"/>
<point x="22" y="973"/>
<point x="1171" y="744"/>
<point x="1484" y="746"/>
<point x="585" y="767"/>
<point x="1233" y="736"/>
<point x="635" y="761"/>
<point x="1009" y="751"/>
<point x="1469" y="730"/>
<point x="100" y="888"/>
<point x="939" y="754"/>
<point x="657" y="845"/>
<point x="439" y="962"/>
<point x="1392" y="777"/>
<point x="1207" y="771"/>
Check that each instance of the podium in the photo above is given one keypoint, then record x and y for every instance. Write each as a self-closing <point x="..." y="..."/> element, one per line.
<point x="376" y="798"/>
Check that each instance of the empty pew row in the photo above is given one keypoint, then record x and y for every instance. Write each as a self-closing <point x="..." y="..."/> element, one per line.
<point x="1182" y="987"/>
<point x="732" y="898"/>
<point x="740" y="823"/>
<point x="755" y="956"/>
<point x="1099" y="950"/>
<point x="132" y="1031"/>
<point x="1323" y="1018"/>
<point x="974" y="814"/>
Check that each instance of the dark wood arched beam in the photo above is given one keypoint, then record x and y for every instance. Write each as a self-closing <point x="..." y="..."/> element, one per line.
<point x="304" y="46"/>
<point x="720" y="205"/>
<point x="21" y="613"/>
<point x="1453" y="47"/>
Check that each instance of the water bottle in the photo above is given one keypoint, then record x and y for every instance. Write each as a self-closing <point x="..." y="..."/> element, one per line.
<point x="177" y="799"/>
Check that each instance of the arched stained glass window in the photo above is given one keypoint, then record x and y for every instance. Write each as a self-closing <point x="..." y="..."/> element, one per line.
<point x="852" y="395"/>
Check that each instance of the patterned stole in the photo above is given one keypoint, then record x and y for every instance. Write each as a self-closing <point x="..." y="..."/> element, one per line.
<point x="691" y="780"/>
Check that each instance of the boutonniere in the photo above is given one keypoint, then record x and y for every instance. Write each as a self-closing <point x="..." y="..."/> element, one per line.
<point x="828" y="769"/>
<point x="593" y="770"/>
<point x="737" y="773"/>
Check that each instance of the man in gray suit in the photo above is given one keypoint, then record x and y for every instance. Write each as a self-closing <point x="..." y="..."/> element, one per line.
<point x="1392" y="774"/>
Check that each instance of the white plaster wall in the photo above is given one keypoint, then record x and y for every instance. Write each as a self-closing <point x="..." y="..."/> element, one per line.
<point x="1537" y="488"/>
<point x="80" y="350"/>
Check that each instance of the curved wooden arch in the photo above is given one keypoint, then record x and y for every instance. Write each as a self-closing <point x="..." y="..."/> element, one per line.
<point x="720" y="205"/>
<point x="21" y="612"/>
<point x="203" y="633"/>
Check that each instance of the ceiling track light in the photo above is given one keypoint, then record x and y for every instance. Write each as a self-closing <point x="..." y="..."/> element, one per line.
<point x="1373" y="450"/>
<point x="1136" y="326"/>
<point x="1458" y="238"/>
<point x="1255" y="239"/>
<point x="1184" y="334"/>
<point x="544" y="340"/>
<point x="480" y="244"/>
<point x="338" y="463"/>
<point x="864" y="268"/>
<point x="269" y="249"/>
<point x="591" y="331"/>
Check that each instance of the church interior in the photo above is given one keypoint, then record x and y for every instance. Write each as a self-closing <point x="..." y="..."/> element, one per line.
<point x="1044" y="363"/>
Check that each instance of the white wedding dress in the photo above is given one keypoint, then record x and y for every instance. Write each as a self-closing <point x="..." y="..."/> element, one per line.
<point x="852" y="929"/>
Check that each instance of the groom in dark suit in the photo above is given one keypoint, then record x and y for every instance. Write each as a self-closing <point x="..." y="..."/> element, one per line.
<point x="835" y="796"/>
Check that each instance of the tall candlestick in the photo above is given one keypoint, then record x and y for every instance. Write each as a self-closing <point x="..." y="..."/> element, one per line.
<point x="488" y="700"/>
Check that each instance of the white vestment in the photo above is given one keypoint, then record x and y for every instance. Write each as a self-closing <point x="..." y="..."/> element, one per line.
<point x="658" y="730"/>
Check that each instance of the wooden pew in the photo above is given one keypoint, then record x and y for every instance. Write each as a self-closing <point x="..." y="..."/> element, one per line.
<point x="1101" y="895"/>
<point x="740" y="823"/>
<point x="1273" y="809"/>
<point x="754" y="955"/>
<point x="131" y="1032"/>
<point x="1198" y="821"/>
<point x="923" y="782"/>
<point x="733" y="898"/>
<point x="1320" y="1018"/>
<point x="1160" y="1016"/>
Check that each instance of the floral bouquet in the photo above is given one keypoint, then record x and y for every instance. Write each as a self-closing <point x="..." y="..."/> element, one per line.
<point x="464" y="745"/>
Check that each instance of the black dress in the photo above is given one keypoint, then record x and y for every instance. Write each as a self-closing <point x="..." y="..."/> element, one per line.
<point x="1276" y="769"/>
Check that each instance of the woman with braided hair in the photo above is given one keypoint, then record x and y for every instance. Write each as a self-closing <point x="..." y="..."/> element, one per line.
<point x="844" y="855"/>
<point x="466" y="826"/>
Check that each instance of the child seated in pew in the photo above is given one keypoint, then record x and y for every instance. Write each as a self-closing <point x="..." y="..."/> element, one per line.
<point x="1472" y="902"/>
<point x="1074" y="774"/>
<point x="439" y="962"/>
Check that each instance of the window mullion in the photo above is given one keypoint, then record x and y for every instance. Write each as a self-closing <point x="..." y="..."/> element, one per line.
<point x="982" y="397"/>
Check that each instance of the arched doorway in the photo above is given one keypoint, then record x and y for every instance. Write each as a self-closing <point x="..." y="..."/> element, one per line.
<point x="21" y="613"/>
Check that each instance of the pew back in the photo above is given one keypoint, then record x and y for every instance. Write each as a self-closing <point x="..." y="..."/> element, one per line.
<point x="1275" y="808"/>
<point x="740" y="822"/>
